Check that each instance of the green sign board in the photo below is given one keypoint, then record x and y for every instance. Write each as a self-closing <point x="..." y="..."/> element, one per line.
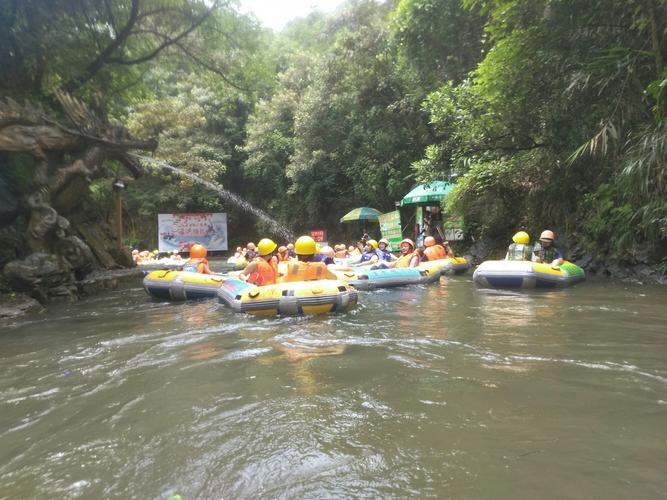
<point x="453" y="226"/>
<point x="390" y="227"/>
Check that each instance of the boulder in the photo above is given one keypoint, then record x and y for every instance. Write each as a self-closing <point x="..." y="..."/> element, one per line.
<point x="9" y="203"/>
<point x="100" y="241"/>
<point x="12" y="306"/>
<point x="10" y="236"/>
<point x="77" y="254"/>
<point x="43" y="276"/>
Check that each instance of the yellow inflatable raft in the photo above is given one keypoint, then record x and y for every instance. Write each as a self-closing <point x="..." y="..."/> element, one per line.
<point x="448" y="266"/>
<point x="182" y="285"/>
<point x="289" y="299"/>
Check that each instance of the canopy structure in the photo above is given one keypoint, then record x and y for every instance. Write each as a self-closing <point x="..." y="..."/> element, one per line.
<point x="361" y="213"/>
<point x="430" y="192"/>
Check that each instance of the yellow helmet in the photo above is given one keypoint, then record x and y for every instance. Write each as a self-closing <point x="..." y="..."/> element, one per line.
<point x="266" y="246"/>
<point x="372" y="243"/>
<point x="521" y="237"/>
<point x="305" y="245"/>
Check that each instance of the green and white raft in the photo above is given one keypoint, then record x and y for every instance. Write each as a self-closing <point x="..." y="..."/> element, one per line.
<point x="526" y="274"/>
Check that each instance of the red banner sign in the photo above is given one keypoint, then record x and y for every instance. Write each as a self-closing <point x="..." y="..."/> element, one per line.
<point x="318" y="235"/>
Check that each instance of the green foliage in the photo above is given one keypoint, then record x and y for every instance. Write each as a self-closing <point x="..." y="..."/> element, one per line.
<point x="440" y="39"/>
<point x="559" y="79"/>
<point x="550" y="112"/>
<point x="644" y="179"/>
<point x="341" y="129"/>
<point x="608" y="221"/>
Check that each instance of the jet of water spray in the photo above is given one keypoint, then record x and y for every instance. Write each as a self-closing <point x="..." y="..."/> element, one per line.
<point x="274" y="225"/>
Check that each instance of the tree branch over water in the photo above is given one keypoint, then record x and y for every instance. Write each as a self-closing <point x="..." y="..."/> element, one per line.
<point x="113" y="52"/>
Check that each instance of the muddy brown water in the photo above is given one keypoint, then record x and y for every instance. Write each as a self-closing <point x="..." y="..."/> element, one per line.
<point x="444" y="391"/>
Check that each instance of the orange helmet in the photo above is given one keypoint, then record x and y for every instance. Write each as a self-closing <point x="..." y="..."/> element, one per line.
<point x="197" y="251"/>
<point x="547" y="235"/>
<point x="409" y="242"/>
<point x="429" y="241"/>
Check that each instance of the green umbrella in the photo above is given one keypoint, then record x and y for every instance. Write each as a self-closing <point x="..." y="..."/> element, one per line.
<point x="433" y="191"/>
<point x="361" y="213"/>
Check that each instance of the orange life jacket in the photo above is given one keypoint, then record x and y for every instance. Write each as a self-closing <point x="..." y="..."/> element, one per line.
<point x="265" y="274"/>
<point x="404" y="260"/>
<point x="436" y="252"/>
<point x="195" y="265"/>
<point x="307" y="271"/>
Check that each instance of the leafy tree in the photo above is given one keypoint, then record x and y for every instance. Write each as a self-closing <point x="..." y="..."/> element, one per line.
<point x="343" y="126"/>
<point x="553" y="73"/>
<point x="441" y="39"/>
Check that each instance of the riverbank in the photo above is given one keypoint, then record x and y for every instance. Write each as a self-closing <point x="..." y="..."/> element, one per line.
<point x="13" y="305"/>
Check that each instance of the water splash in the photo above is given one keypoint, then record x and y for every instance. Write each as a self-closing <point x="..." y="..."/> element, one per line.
<point x="274" y="226"/>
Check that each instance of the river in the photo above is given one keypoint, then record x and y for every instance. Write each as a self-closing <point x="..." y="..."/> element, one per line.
<point x="444" y="391"/>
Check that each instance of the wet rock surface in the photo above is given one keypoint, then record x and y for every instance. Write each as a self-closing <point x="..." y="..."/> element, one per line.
<point x="639" y="267"/>
<point x="12" y="306"/>
<point x="99" y="281"/>
<point x="43" y="276"/>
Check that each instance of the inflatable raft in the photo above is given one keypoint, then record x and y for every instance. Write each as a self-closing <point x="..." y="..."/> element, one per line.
<point x="182" y="285"/>
<point x="525" y="274"/>
<point x="448" y="266"/>
<point x="288" y="299"/>
<point x="370" y="279"/>
<point x="161" y="264"/>
<point x="237" y="262"/>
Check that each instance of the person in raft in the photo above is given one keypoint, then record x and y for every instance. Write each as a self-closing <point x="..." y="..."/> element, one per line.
<point x="263" y="270"/>
<point x="175" y="255"/>
<point x="283" y="254"/>
<point x="370" y="256"/>
<point x="433" y="251"/>
<point x="305" y="268"/>
<point x="409" y="256"/>
<point x="340" y="251"/>
<point x="240" y="253"/>
<point x="520" y="249"/>
<point x="383" y="251"/>
<point x="384" y="255"/>
<point x="325" y="255"/>
<point x="290" y="251"/>
<point x="251" y="251"/>
<point x="545" y="251"/>
<point x="197" y="262"/>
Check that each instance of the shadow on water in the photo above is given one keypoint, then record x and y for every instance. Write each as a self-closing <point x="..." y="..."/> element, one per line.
<point x="275" y="226"/>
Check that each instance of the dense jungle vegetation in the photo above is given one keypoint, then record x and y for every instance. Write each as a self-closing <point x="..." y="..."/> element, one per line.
<point x="549" y="113"/>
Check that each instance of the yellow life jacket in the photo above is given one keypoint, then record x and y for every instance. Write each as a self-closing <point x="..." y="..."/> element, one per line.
<point x="404" y="260"/>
